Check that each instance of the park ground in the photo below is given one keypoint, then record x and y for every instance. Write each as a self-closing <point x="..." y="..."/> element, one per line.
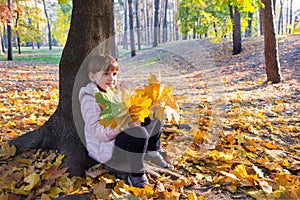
<point x="238" y="138"/>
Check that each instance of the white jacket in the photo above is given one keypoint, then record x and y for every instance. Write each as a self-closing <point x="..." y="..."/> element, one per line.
<point x="99" y="140"/>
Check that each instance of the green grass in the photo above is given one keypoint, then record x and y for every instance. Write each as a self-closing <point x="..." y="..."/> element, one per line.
<point x="42" y="54"/>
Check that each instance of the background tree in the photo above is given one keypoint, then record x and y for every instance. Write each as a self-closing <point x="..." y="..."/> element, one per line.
<point x="125" y="41"/>
<point x="9" y="31"/>
<point x="148" y="22"/>
<point x="235" y="16"/>
<point x="138" y="25"/>
<point x="156" y="27"/>
<point x="165" y="28"/>
<point x="60" y="132"/>
<point x="271" y="48"/>
<point x="132" y="42"/>
<point x="48" y="24"/>
<point x="291" y="16"/>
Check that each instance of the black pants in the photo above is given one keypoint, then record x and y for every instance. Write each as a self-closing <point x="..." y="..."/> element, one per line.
<point x="131" y="146"/>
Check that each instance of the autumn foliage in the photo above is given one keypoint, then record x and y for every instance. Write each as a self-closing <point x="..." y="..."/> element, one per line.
<point x="256" y="154"/>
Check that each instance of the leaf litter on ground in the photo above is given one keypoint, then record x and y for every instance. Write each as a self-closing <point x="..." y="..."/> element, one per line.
<point x="256" y="154"/>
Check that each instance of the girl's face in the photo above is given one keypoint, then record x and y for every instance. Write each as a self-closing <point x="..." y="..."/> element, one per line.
<point x="105" y="79"/>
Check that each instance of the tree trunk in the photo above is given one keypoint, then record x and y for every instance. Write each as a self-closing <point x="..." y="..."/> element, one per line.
<point x="291" y="17"/>
<point x="2" y="51"/>
<point x="9" y="34"/>
<point x="125" y="43"/>
<point x="248" y="32"/>
<point x="48" y="25"/>
<point x="261" y="28"/>
<point x="237" y="35"/>
<point x="148" y="23"/>
<point x="165" y="28"/>
<point x="37" y="24"/>
<point x="156" y="8"/>
<point x="132" y="45"/>
<point x="114" y="46"/>
<point x="145" y="24"/>
<point x="91" y="23"/>
<point x="280" y="19"/>
<point x="271" y="48"/>
<point x="18" y="43"/>
<point x="287" y="18"/>
<point x="138" y="25"/>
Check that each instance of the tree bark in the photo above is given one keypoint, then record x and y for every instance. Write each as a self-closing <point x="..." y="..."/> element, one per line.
<point x="9" y="34"/>
<point x="156" y="8"/>
<point x="148" y="23"/>
<point x="271" y="48"/>
<point x="132" y="42"/>
<point x="248" y="32"/>
<point x="125" y="43"/>
<point x="237" y="35"/>
<point x="138" y="25"/>
<point x="91" y="23"/>
<point x="280" y="19"/>
<point x="261" y="28"/>
<point x="165" y="28"/>
<point x="2" y="50"/>
<point x="291" y="17"/>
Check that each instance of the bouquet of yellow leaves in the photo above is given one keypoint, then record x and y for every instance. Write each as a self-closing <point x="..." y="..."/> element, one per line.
<point x="121" y="107"/>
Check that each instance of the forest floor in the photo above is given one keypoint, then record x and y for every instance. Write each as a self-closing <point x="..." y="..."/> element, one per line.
<point x="238" y="137"/>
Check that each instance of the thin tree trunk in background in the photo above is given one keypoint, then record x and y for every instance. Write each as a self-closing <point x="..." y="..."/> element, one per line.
<point x="170" y="24"/>
<point x="287" y="18"/>
<point x="176" y="29"/>
<point x="114" y="46"/>
<point x="291" y="17"/>
<point x="280" y="19"/>
<point x="2" y="51"/>
<point x="132" y="42"/>
<point x="156" y="8"/>
<point x="18" y="42"/>
<point x="17" y="34"/>
<point x="235" y="16"/>
<point x="271" y="48"/>
<point x="138" y="25"/>
<point x="9" y="33"/>
<point x="160" y="22"/>
<point x="48" y="25"/>
<point x="143" y="25"/>
<point x="261" y="28"/>
<point x="165" y="28"/>
<point x="248" y="32"/>
<point x="148" y="23"/>
<point x="125" y="43"/>
<point x="143" y="13"/>
<point x="37" y="25"/>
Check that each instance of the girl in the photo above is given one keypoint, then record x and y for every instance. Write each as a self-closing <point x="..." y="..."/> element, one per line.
<point x="125" y="150"/>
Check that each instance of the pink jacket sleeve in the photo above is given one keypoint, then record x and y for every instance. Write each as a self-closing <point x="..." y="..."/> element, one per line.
<point x="90" y="112"/>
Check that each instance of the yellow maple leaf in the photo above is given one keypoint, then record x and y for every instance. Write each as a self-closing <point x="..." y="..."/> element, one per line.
<point x="240" y="171"/>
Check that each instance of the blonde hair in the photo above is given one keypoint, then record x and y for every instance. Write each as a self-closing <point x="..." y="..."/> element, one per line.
<point x="102" y="63"/>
